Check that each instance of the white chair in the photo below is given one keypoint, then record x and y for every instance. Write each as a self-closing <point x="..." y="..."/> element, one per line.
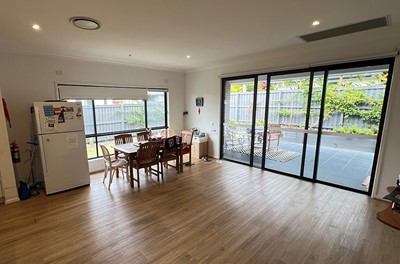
<point x="112" y="165"/>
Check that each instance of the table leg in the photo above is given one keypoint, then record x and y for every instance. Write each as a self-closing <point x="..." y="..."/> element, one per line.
<point x="116" y="157"/>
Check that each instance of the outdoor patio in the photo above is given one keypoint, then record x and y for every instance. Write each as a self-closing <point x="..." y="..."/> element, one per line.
<point x="340" y="166"/>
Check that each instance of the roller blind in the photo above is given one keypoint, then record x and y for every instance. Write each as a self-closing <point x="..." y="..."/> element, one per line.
<point x="100" y="92"/>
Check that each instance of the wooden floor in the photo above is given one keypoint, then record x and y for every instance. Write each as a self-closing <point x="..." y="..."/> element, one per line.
<point x="211" y="213"/>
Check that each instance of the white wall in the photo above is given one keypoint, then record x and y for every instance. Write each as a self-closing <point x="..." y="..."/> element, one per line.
<point x="207" y="84"/>
<point x="6" y="166"/>
<point x="28" y="78"/>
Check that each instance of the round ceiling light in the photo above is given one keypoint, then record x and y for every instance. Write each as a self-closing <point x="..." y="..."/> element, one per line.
<point x="86" y="23"/>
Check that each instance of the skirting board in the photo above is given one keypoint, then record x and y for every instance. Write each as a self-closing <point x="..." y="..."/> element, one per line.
<point x="12" y="200"/>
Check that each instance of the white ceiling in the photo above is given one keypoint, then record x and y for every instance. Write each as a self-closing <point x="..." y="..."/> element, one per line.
<point x="160" y="33"/>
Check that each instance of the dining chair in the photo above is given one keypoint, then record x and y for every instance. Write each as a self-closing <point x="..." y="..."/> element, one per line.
<point x="123" y="139"/>
<point x="112" y="165"/>
<point x="142" y="136"/>
<point x="167" y="133"/>
<point x="187" y="137"/>
<point x="169" y="152"/>
<point x="147" y="156"/>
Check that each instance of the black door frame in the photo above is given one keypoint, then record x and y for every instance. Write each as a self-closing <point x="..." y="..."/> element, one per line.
<point x="312" y="70"/>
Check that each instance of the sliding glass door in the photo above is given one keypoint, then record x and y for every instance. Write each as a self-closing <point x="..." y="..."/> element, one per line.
<point x="312" y="124"/>
<point x="287" y="108"/>
<point x="238" y="119"/>
<point x="353" y="103"/>
<point x="322" y="124"/>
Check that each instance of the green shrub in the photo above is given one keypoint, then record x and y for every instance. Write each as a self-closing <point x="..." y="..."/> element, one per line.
<point x="356" y="130"/>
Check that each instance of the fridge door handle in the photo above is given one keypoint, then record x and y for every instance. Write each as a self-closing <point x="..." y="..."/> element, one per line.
<point x="44" y="155"/>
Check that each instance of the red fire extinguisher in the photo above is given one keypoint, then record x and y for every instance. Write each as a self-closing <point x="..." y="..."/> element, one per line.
<point x="16" y="157"/>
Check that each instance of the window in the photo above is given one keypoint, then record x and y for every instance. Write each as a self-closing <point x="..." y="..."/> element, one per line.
<point x="105" y="118"/>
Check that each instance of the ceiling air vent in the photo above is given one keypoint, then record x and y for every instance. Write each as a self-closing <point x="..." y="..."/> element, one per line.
<point x="353" y="28"/>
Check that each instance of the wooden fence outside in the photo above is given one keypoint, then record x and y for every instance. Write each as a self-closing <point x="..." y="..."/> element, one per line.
<point x="291" y="103"/>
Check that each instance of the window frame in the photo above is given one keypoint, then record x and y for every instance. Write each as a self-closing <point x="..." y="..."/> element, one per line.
<point x="96" y="135"/>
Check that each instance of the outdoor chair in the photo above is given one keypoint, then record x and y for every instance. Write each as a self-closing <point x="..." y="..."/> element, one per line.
<point x="273" y="134"/>
<point x="112" y="165"/>
<point x="146" y="157"/>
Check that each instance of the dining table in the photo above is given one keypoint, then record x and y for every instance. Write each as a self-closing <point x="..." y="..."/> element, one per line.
<point x="130" y="150"/>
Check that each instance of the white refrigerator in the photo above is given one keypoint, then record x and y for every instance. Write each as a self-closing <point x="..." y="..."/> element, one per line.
<point x="62" y="145"/>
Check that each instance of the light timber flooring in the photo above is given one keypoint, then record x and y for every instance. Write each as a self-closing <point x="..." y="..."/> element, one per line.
<point x="211" y="213"/>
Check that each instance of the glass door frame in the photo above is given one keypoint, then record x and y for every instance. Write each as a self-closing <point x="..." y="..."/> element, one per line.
<point x="222" y="126"/>
<point x="326" y="70"/>
<point x="312" y="70"/>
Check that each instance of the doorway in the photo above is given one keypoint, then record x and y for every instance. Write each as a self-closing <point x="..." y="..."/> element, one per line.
<point x="321" y="124"/>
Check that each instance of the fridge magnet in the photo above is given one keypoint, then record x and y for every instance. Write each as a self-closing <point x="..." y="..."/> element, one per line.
<point x="68" y="113"/>
<point x="59" y="111"/>
<point x="79" y="113"/>
<point x="48" y="110"/>
<point x="50" y="123"/>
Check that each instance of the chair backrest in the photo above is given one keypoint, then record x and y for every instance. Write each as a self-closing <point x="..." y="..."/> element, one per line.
<point x="148" y="153"/>
<point x="167" y="133"/>
<point x="142" y="136"/>
<point x="274" y="129"/>
<point x="170" y="145"/>
<point x="123" y="139"/>
<point x="187" y="137"/>
<point x="106" y="154"/>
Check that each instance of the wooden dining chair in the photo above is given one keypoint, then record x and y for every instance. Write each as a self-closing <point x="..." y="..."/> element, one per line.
<point x="142" y="136"/>
<point x="187" y="137"/>
<point x="112" y="165"/>
<point x="169" y="152"/>
<point x="123" y="139"/>
<point x="146" y="157"/>
<point x="167" y="133"/>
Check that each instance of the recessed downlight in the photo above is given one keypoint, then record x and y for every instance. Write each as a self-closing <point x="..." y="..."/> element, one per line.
<point x="187" y="56"/>
<point x="86" y="23"/>
<point x="316" y="23"/>
<point x="35" y="26"/>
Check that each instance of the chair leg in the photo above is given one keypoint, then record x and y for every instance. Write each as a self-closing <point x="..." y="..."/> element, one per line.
<point x="111" y="176"/>
<point x="123" y="173"/>
<point x="162" y="171"/>
<point x="138" y="184"/>
<point x="105" y="173"/>
<point x="158" y="171"/>
<point x="177" y="164"/>
<point x="127" y="172"/>
<point x="190" y="158"/>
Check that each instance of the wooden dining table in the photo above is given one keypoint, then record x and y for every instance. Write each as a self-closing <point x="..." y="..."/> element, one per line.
<point x="131" y="149"/>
